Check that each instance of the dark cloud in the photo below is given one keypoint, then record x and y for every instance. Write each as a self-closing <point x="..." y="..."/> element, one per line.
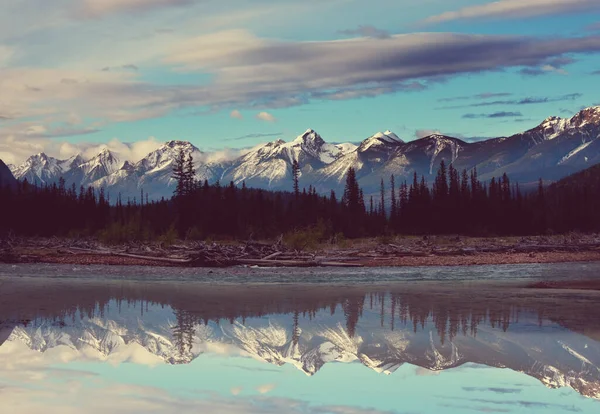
<point x="486" y="95"/>
<point x="596" y="72"/>
<point x="476" y="408"/>
<point x="493" y="389"/>
<point x="259" y="135"/>
<point x="533" y="72"/>
<point x="519" y="403"/>
<point x="130" y="67"/>
<point x="566" y="111"/>
<point x="367" y="31"/>
<point x="68" y="81"/>
<point x="284" y="73"/>
<point x="494" y="115"/>
<point x="555" y="65"/>
<point x="532" y="100"/>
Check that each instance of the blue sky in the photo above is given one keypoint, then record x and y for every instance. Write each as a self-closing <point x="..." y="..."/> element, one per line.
<point x="78" y="73"/>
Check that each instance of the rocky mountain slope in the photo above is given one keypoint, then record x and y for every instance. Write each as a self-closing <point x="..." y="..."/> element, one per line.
<point x="552" y="150"/>
<point x="6" y="177"/>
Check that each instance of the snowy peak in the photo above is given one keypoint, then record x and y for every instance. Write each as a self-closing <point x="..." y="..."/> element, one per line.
<point x="102" y="165"/>
<point x="554" y="126"/>
<point x="380" y="141"/>
<point x="311" y="138"/>
<point x="41" y="169"/>
<point x="165" y="156"/>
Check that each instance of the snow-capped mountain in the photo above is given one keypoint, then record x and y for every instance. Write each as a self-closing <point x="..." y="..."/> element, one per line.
<point x="365" y="159"/>
<point x="552" y="150"/>
<point x="42" y="169"/>
<point x="548" y="352"/>
<point x="270" y="165"/>
<point x="86" y="173"/>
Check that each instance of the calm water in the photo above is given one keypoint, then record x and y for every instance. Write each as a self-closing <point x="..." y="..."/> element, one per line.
<point x="270" y="341"/>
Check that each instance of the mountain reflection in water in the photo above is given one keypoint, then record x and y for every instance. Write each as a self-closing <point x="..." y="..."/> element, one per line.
<point x="551" y="336"/>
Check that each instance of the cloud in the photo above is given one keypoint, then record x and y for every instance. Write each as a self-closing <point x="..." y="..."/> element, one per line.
<point x="265" y="389"/>
<point x="493" y="115"/>
<point x="100" y="8"/>
<point x="124" y="67"/>
<point x="256" y="71"/>
<point x="513" y="403"/>
<point x="258" y="135"/>
<point x="236" y="114"/>
<point x="596" y="72"/>
<point x="6" y="53"/>
<point x="15" y="149"/>
<point x="517" y="9"/>
<point x="555" y="65"/>
<point x="532" y="100"/>
<point x="485" y="95"/>
<point x="265" y="116"/>
<point x="496" y="390"/>
<point x="594" y="27"/>
<point x="422" y="133"/>
<point x="367" y="31"/>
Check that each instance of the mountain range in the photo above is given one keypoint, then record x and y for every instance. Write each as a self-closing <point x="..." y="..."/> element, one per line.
<point x="552" y="150"/>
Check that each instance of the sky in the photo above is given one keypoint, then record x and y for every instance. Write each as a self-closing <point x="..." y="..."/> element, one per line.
<point x="78" y="74"/>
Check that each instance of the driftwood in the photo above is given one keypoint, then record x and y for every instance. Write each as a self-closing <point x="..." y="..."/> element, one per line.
<point x="252" y="254"/>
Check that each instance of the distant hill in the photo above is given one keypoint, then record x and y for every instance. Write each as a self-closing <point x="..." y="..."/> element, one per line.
<point x="588" y="178"/>
<point x="6" y="177"/>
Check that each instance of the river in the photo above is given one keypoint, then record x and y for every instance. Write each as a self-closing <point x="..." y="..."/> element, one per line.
<point x="380" y="340"/>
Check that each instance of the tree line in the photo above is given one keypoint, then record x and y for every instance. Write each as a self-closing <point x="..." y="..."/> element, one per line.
<point x="456" y="202"/>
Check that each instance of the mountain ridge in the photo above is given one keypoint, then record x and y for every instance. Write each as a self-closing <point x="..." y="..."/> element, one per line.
<point x="552" y="150"/>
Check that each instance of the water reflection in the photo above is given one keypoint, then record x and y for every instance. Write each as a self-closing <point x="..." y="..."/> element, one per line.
<point x="549" y="336"/>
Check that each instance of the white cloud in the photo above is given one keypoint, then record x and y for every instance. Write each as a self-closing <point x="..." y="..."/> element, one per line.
<point x="265" y="116"/>
<point x="236" y="114"/>
<point x="422" y="133"/>
<point x="6" y="53"/>
<point x="518" y="9"/>
<point x="265" y="389"/>
<point x="97" y="8"/>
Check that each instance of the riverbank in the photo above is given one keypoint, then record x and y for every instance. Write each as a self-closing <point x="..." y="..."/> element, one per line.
<point x="389" y="252"/>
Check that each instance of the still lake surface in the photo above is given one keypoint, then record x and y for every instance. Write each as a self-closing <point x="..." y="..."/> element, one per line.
<point x="411" y="340"/>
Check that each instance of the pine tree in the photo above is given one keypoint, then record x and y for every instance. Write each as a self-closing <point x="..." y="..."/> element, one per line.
<point x="296" y="175"/>
<point x="190" y="175"/>
<point x="382" y="198"/>
<point x="179" y="174"/>
<point x="394" y="202"/>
